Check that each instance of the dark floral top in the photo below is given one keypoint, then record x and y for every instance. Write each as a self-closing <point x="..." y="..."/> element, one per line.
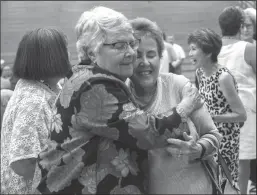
<point x="99" y="138"/>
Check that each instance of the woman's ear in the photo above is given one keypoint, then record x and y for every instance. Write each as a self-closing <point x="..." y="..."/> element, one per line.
<point x="209" y="55"/>
<point x="91" y="54"/>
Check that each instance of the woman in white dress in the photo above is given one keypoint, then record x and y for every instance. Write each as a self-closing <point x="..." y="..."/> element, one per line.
<point x="240" y="58"/>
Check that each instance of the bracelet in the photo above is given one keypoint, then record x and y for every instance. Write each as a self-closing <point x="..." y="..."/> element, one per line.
<point x="203" y="150"/>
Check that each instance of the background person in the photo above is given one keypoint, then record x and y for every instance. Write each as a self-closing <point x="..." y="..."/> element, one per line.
<point x="240" y="58"/>
<point x="41" y="60"/>
<point x="177" y="64"/>
<point x="248" y="33"/>
<point x="248" y="29"/>
<point x="218" y="88"/>
<point x="168" y="56"/>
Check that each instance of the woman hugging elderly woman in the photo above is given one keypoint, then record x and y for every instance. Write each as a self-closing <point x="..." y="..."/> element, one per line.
<point x="104" y="129"/>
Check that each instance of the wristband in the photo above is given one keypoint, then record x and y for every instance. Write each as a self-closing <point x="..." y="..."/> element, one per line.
<point x="203" y="150"/>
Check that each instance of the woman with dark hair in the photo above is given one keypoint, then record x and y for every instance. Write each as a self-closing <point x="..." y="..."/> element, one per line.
<point x="218" y="88"/>
<point x="240" y="58"/>
<point x="41" y="61"/>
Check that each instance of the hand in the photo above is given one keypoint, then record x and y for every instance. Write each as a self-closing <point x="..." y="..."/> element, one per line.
<point x="191" y="99"/>
<point x="188" y="148"/>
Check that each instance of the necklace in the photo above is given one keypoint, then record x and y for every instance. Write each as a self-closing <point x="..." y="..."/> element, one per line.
<point x="47" y="85"/>
<point x="143" y="101"/>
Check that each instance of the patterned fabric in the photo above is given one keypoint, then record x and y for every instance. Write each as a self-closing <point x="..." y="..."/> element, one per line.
<point x="24" y="131"/>
<point x="217" y="104"/>
<point x="99" y="140"/>
<point x="169" y="174"/>
<point x="6" y="94"/>
<point x="232" y="57"/>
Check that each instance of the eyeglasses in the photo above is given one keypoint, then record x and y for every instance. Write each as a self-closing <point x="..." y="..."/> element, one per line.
<point x="123" y="46"/>
<point x="247" y="25"/>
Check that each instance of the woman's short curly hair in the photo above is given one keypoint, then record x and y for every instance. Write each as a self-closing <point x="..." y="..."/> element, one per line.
<point x="42" y="53"/>
<point x="230" y="20"/>
<point x="144" y="27"/>
<point x="94" y="26"/>
<point x="208" y="40"/>
<point x="251" y="13"/>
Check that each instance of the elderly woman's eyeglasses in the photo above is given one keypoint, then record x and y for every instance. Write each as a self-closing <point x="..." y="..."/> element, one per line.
<point x="247" y="25"/>
<point x="123" y="46"/>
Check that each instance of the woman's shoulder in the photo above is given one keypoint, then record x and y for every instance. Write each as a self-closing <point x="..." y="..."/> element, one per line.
<point x="174" y="80"/>
<point x="89" y="79"/>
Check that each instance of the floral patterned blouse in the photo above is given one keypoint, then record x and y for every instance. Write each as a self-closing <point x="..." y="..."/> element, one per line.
<point x="99" y="140"/>
<point x="24" y="131"/>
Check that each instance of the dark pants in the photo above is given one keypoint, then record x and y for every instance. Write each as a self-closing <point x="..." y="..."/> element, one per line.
<point x="253" y="170"/>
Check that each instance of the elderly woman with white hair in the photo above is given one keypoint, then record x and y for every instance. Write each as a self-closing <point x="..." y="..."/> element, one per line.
<point x="99" y="141"/>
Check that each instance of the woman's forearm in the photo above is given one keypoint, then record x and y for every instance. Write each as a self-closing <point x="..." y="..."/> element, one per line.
<point x="24" y="168"/>
<point x="210" y="143"/>
<point x="229" y="118"/>
<point x="209" y="135"/>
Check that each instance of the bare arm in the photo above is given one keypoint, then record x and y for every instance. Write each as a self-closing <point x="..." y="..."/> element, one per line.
<point x="209" y="135"/>
<point x="180" y="57"/>
<point x="25" y="168"/>
<point x="238" y="113"/>
<point x="171" y="53"/>
<point x="250" y="55"/>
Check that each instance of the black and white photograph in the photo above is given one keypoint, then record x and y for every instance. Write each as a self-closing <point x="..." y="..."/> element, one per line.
<point x="128" y="97"/>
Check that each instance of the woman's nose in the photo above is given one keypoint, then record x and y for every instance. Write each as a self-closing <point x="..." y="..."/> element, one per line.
<point x="130" y="52"/>
<point x="144" y="61"/>
<point x="190" y="53"/>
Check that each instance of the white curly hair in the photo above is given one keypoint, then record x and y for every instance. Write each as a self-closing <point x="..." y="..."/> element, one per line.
<point x="94" y="26"/>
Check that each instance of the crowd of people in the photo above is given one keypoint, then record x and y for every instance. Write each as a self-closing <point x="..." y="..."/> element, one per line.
<point x="125" y="120"/>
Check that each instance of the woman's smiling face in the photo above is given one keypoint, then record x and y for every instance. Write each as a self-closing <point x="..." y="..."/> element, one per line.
<point x="147" y="63"/>
<point x="197" y="56"/>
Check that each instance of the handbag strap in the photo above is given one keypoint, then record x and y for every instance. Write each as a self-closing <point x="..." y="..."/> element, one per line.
<point x="224" y="167"/>
<point x="211" y="174"/>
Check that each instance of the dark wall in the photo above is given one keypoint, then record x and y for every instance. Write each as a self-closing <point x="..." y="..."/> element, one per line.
<point x="176" y="17"/>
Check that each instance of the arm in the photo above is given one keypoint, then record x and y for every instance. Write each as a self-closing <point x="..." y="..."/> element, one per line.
<point x="238" y="113"/>
<point x="28" y="128"/>
<point x="171" y="53"/>
<point x="193" y="147"/>
<point x="180" y="57"/>
<point x="196" y="80"/>
<point x="25" y="168"/>
<point x="250" y="55"/>
<point x="209" y="135"/>
<point x="120" y="120"/>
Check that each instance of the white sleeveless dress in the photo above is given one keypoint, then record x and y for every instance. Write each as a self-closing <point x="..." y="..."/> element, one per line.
<point x="232" y="57"/>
